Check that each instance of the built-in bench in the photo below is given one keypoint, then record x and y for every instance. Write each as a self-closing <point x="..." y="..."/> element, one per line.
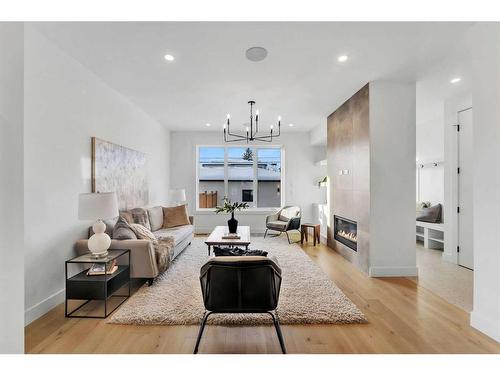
<point x="432" y="234"/>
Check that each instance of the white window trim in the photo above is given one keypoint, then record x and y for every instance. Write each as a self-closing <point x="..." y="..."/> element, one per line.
<point x="251" y="210"/>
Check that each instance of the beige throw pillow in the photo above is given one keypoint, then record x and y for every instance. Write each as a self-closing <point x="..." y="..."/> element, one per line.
<point x="175" y="216"/>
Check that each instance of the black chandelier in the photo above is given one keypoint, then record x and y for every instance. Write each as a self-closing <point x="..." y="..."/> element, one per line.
<point x="251" y="131"/>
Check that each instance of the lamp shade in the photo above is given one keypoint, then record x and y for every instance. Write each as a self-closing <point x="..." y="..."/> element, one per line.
<point x="178" y="195"/>
<point x="93" y="206"/>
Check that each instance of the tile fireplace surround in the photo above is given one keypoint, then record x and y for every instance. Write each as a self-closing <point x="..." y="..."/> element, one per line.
<point x="348" y="153"/>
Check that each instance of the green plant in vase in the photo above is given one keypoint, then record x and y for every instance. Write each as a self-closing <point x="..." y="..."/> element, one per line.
<point x="229" y="207"/>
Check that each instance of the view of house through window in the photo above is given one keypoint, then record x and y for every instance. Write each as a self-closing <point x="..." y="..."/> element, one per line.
<point x="211" y="176"/>
<point x="243" y="174"/>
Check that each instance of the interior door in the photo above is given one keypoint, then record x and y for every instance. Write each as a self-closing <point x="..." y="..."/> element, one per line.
<point x="465" y="222"/>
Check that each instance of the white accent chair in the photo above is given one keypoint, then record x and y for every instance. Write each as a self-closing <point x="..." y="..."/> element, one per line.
<point x="285" y="220"/>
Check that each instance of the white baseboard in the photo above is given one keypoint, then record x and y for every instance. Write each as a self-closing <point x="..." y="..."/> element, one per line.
<point x="393" y="271"/>
<point x="42" y="307"/>
<point x="486" y="326"/>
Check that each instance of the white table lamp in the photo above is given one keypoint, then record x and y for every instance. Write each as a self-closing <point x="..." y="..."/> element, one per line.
<point x="98" y="206"/>
<point x="177" y="196"/>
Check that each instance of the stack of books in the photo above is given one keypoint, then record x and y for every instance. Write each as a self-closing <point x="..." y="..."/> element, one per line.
<point x="101" y="268"/>
<point x="231" y="236"/>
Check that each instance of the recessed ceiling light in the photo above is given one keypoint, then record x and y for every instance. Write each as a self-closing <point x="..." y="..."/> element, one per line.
<point x="291" y="125"/>
<point x="256" y="54"/>
<point x="456" y="80"/>
<point x="169" y="57"/>
<point x="208" y="124"/>
<point x="342" y="58"/>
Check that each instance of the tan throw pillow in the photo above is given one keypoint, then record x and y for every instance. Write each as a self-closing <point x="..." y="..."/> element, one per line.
<point x="142" y="232"/>
<point x="175" y="216"/>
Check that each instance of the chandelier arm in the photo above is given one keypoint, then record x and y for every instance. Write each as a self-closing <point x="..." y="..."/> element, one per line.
<point x="234" y="140"/>
<point x="262" y="137"/>
<point x="268" y="135"/>
<point x="237" y="135"/>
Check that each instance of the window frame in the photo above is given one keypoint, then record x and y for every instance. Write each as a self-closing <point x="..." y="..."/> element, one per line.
<point x="255" y="176"/>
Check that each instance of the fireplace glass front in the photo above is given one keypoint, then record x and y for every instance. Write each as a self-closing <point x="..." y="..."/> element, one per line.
<point x="346" y="231"/>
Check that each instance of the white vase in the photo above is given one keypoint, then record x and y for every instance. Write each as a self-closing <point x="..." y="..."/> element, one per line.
<point x="99" y="242"/>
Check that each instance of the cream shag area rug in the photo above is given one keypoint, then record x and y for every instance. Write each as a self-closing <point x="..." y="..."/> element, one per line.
<point x="307" y="295"/>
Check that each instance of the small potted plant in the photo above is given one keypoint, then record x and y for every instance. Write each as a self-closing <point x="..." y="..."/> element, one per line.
<point x="229" y="207"/>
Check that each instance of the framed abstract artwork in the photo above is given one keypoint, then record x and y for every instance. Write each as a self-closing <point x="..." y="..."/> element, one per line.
<point x="122" y="170"/>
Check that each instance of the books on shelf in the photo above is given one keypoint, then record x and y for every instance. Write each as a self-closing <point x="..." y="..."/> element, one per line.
<point x="102" y="269"/>
<point x="231" y="236"/>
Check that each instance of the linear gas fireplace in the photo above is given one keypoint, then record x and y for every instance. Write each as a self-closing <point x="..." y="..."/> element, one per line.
<point x="346" y="231"/>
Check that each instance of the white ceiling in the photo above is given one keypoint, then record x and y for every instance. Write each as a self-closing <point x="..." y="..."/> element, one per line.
<point x="300" y="79"/>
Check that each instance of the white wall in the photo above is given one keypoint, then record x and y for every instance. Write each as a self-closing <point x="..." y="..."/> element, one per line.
<point x="392" y="179"/>
<point x="485" y="48"/>
<point x="65" y="105"/>
<point x="429" y="143"/>
<point x="317" y="135"/>
<point x="11" y="191"/>
<point x="301" y="175"/>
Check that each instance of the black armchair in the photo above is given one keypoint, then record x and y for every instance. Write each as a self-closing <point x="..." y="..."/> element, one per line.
<point x="246" y="284"/>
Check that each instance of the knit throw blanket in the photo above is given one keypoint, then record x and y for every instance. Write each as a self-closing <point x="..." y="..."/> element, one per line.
<point x="164" y="246"/>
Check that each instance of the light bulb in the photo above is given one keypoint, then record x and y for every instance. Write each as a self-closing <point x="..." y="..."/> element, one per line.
<point x="279" y="118"/>
<point x="228" y="116"/>
<point x="272" y="126"/>
<point x="247" y="129"/>
<point x="257" y="112"/>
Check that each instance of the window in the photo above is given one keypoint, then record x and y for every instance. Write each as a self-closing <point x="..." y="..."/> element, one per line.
<point x="239" y="172"/>
<point x="211" y="184"/>
<point x="243" y="174"/>
<point x="247" y="195"/>
<point x="269" y="177"/>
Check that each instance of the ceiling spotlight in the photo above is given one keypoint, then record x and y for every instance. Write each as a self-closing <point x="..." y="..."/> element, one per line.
<point x="456" y="80"/>
<point x="342" y="58"/>
<point x="169" y="57"/>
<point x="208" y="125"/>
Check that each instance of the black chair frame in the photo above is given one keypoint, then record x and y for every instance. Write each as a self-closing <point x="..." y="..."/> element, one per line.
<point x="293" y="225"/>
<point x="273" y="313"/>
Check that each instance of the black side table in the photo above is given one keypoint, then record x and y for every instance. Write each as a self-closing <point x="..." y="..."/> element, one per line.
<point x="97" y="287"/>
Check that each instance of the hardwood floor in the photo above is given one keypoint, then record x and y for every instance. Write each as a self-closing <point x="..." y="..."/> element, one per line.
<point x="403" y="318"/>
